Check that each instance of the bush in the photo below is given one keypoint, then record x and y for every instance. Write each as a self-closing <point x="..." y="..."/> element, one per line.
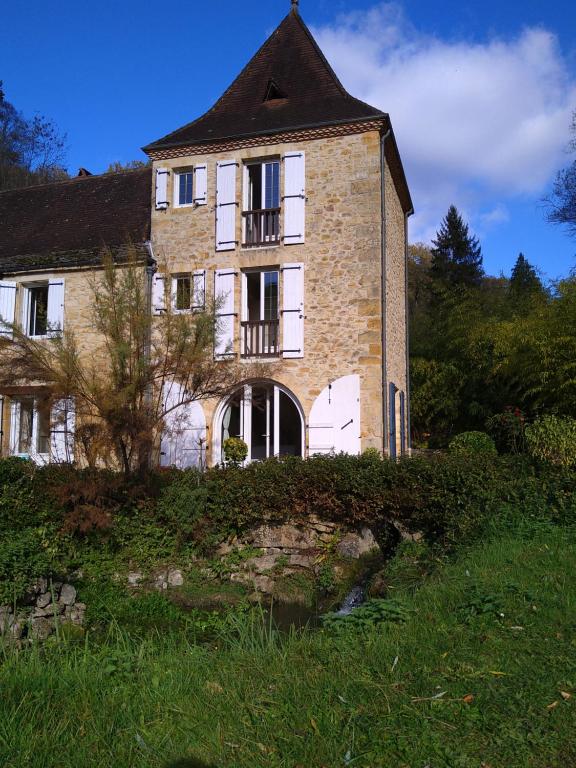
<point x="235" y="450"/>
<point x="472" y="444"/>
<point x="13" y="468"/>
<point x="553" y="439"/>
<point x="508" y="430"/>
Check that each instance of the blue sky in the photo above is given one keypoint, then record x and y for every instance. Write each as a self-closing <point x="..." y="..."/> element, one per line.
<point x="480" y="94"/>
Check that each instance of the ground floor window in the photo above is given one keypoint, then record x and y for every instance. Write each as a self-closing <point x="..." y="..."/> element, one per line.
<point x="267" y="418"/>
<point x="30" y="427"/>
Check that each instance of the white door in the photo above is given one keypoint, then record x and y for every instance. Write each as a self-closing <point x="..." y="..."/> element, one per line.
<point x="334" y="425"/>
<point x="183" y="443"/>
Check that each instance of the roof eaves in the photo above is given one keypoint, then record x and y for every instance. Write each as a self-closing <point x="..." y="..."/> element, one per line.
<point x="218" y="139"/>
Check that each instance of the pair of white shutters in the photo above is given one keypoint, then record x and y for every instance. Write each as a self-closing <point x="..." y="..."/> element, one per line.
<point x="55" y="314"/>
<point x="200" y="190"/>
<point x="292" y="311"/>
<point x="294" y="200"/>
<point x="62" y="425"/>
<point x="159" y="292"/>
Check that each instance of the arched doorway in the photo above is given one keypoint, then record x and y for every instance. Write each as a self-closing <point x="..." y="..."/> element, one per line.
<point x="266" y="416"/>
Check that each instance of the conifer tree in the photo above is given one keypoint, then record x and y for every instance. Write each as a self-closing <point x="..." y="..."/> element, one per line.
<point x="524" y="278"/>
<point x="456" y="255"/>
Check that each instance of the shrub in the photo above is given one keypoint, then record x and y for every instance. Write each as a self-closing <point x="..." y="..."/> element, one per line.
<point x="553" y="439"/>
<point x="472" y="444"/>
<point x="14" y="468"/>
<point x="507" y="429"/>
<point x="235" y="450"/>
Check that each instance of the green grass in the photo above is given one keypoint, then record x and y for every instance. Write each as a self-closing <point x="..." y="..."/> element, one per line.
<point x="471" y="677"/>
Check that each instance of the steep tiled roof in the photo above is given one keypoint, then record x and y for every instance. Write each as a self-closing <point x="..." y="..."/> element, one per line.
<point x="67" y="223"/>
<point x="287" y="84"/>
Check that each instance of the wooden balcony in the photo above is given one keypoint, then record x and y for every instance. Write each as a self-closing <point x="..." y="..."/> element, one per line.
<point x="261" y="227"/>
<point x="260" y="338"/>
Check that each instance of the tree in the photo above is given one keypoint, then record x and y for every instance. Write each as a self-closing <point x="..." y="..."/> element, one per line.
<point x="456" y="255"/>
<point x="119" y="381"/>
<point x="524" y="279"/>
<point x="131" y="165"/>
<point x="562" y="202"/>
<point x="31" y="150"/>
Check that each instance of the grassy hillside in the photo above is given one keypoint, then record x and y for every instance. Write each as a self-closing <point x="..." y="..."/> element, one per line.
<point x="481" y="672"/>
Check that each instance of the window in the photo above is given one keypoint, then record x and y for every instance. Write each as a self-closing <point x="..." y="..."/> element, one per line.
<point x="38" y="310"/>
<point x="43" y="308"/>
<point x="260" y="313"/>
<point x="183" y="292"/>
<point x="262" y="203"/>
<point x="190" y="186"/>
<point x="42" y="431"/>
<point x="30" y="425"/>
<point x="189" y="291"/>
<point x="185" y="186"/>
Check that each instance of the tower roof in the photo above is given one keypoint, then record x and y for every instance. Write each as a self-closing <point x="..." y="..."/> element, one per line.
<point x="288" y="84"/>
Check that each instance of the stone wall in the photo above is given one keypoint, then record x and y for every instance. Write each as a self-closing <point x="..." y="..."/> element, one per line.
<point x="46" y="608"/>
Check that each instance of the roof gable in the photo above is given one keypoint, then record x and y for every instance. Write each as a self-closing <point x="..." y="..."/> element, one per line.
<point x="292" y="69"/>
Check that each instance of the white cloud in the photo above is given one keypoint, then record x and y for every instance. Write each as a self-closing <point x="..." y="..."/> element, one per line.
<point x="474" y="121"/>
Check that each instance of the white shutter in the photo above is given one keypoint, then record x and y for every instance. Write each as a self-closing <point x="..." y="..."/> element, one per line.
<point x="226" y="318"/>
<point x="7" y="306"/>
<point x="226" y="206"/>
<point x="293" y="310"/>
<point x="199" y="289"/>
<point x="201" y="184"/>
<point x="334" y="424"/>
<point x="158" y="294"/>
<point x="14" y="427"/>
<point x="294" y="198"/>
<point x="55" y="307"/>
<point x="62" y="425"/>
<point x="183" y="443"/>
<point x="162" y="188"/>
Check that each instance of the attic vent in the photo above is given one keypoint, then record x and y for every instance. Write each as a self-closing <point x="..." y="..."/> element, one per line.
<point x="273" y="92"/>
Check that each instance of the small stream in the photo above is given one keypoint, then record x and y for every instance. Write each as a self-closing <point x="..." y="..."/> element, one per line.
<point x="294" y="615"/>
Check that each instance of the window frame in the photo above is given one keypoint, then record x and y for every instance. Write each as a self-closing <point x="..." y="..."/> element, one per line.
<point x="200" y="307"/>
<point x="177" y="173"/>
<point x="262" y="162"/>
<point x="28" y="288"/>
<point x="16" y="425"/>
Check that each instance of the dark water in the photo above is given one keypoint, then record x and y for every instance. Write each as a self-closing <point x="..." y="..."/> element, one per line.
<point x="286" y="616"/>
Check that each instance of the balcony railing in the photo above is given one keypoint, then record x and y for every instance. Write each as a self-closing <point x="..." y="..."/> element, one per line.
<point x="261" y="227"/>
<point x="260" y="338"/>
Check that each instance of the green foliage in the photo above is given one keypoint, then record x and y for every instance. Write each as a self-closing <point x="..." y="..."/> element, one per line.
<point x="553" y="439"/>
<point x="23" y="558"/>
<point x="435" y="399"/>
<point x="507" y="430"/>
<point x="472" y="444"/>
<point x="13" y="468"/>
<point x="372" y="453"/>
<point x="367" y="616"/>
<point x="235" y="450"/>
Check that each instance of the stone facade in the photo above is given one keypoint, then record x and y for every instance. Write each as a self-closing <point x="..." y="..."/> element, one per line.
<point x="342" y="257"/>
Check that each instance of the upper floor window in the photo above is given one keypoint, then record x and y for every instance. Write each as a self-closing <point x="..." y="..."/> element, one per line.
<point x="43" y="308"/>
<point x="37" y="320"/>
<point x="266" y="211"/>
<point x="190" y="186"/>
<point x="260" y="313"/>
<point x="185" y="186"/>
<point x="189" y="291"/>
<point x="261" y="203"/>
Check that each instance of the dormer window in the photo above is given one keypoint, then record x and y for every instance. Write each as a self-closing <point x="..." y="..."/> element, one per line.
<point x="273" y="92"/>
<point x="262" y="203"/>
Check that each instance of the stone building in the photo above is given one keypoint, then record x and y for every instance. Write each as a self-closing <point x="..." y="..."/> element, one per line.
<point x="286" y="202"/>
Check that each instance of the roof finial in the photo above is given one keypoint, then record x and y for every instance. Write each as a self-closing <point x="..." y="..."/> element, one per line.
<point x="295" y="6"/>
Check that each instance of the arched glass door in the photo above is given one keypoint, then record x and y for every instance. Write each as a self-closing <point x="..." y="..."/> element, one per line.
<point x="267" y="418"/>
